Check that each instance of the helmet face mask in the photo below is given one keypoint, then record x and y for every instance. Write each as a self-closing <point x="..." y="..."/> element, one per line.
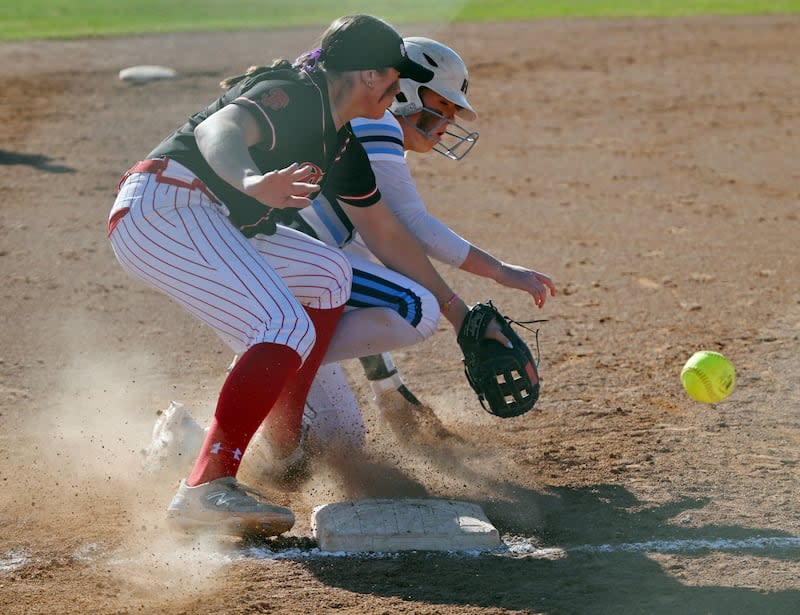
<point x="450" y="81"/>
<point x="459" y="142"/>
<point x="455" y="143"/>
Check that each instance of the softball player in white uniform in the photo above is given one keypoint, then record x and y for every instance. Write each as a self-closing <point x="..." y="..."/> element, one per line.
<point x="421" y="118"/>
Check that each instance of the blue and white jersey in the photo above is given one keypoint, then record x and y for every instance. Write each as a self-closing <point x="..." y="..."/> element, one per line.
<point x="383" y="141"/>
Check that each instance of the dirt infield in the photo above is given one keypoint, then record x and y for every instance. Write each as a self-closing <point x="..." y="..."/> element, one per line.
<point x="651" y="167"/>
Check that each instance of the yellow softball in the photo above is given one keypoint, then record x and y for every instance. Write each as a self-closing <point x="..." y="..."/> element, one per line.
<point x="708" y="377"/>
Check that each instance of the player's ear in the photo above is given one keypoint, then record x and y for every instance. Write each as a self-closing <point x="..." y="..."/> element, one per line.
<point x="368" y="78"/>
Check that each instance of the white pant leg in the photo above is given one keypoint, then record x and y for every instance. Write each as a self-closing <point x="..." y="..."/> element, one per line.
<point x="319" y="275"/>
<point x="335" y="420"/>
<point x="364" y="331"/>
<point x="179" y="241"/>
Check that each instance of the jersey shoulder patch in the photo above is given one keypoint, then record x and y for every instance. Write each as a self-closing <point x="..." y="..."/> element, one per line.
<point x="275" y="98"/>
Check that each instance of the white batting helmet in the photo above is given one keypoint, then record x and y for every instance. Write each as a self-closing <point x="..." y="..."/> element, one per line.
<point x="450" y="80"/>
<point x="450" y="77"/>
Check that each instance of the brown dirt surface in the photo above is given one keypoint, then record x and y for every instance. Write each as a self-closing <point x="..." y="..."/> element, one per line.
<point x="650" y="166"/>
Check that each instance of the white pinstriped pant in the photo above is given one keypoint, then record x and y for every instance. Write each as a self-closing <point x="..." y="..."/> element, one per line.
<point x="176" y="239"/>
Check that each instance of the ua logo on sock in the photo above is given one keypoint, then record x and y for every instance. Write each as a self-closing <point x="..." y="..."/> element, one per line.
<point x="216" y="448"/>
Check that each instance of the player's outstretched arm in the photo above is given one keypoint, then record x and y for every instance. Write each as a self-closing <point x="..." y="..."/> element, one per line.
<point x="445" y="245"/>
<point x="479" y="262"/>
<point x="398" y="249"/>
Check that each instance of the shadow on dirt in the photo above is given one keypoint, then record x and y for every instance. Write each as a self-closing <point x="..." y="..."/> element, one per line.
<point x="583" y="579"/>
<point x="38" y="161"/>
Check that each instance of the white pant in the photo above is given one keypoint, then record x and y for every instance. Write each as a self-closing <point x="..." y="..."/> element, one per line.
<point x="177" y="239"/>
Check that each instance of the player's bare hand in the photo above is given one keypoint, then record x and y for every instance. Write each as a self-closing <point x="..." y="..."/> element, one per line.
<point x="458" y="311"/>
<point x="283" y="188"/>
<point x="536" y="284"/>
<point x="493" y="331"/>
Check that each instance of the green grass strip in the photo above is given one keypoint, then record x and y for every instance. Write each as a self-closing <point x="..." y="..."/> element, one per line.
<point x="40" y="19"/>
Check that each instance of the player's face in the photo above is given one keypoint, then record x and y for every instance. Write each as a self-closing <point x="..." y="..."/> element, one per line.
<point x="385" y="86"/>
<point x="430" y="127"/>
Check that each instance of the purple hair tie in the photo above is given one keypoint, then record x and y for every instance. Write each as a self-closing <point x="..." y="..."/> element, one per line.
<point x="308" y="61"/>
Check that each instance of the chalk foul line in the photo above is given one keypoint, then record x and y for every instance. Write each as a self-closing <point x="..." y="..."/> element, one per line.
<point x="523" y="547"/>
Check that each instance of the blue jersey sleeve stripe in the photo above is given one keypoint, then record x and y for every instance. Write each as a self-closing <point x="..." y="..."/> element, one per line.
<point x="376" y="129"/>
<point x="384" y="150"/>
<point x="381" y="139"/>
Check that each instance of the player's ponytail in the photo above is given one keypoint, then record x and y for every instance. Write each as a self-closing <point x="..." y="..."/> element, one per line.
<point x="228" y="83"/>
<point x="309" y="61"/>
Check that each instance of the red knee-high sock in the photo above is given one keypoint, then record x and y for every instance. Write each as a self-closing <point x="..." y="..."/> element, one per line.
<point x="247" y="396"/>
<point x="282" y="426"/>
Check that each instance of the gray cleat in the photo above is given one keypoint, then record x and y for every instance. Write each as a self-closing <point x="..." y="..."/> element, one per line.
<point x="229" y="507"/>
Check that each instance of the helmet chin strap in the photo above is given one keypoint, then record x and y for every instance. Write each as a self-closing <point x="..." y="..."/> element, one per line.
<point x="459" y="140"/>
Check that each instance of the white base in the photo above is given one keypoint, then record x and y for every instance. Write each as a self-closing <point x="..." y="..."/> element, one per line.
<point x="145" y="73"/>
<point x="403" y="525"/>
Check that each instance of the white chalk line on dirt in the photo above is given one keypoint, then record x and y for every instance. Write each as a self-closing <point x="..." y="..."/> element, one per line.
<point x="522" y="547"/>
<point x="11" y="560"/>
<point x="516" y="547"/>
<point x="758" y="543"/>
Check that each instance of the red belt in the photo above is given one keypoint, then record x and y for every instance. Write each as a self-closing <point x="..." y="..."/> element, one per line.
<point x="157" y="166"/>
